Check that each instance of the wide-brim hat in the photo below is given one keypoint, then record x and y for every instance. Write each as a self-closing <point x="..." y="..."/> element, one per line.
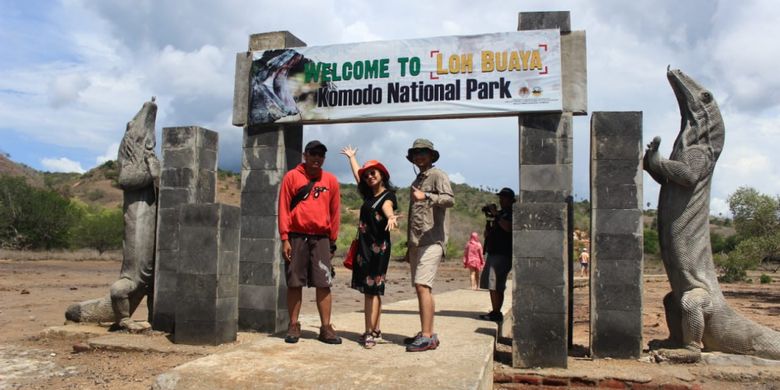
<point x="422" y="143"/>
<point x="373" y="164"/>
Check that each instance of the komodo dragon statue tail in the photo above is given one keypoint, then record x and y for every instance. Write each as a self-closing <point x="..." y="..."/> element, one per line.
<point x="139" y="170"/>
<point x="696" y="311"/>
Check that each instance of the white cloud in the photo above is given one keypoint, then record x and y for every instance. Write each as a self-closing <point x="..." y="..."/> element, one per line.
<point x="719" y="207"/>
<point x="457" y="177"/>
<point x="62" y="164"/>
<point x="359" y="32"/>
<point x="65" y="89"/>
<point x="197" y="72"/>
<point x="111" y="153"/>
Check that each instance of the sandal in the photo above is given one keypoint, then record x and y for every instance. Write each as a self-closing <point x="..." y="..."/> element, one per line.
<point x="377" y="335"/>
<point x="368" y="340"/>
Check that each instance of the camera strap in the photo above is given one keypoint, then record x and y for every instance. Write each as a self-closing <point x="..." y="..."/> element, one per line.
<point x="302" y="194"/>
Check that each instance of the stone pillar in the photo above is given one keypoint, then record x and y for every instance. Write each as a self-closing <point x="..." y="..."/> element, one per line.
<point x="546" y="158"/>
<point x="616" y="235"/>
<point x="207" y="279"/>
<point x="543" y="270"/>
<point x="541" y="235"/>
<point x="268" y="153"/>
<point x="189" y="175"/>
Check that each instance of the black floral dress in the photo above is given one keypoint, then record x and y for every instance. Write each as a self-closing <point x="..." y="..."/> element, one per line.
<point x="373" y="254"/>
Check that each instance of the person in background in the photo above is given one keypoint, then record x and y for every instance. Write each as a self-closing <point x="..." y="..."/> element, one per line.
<point x="309" y="217"/>
<point x="431" y="196"/>
<point x="498" y="245"/>
<point x="584" y="262"/>
<point x="377" y="219"/>
<point x="473" y="259"/>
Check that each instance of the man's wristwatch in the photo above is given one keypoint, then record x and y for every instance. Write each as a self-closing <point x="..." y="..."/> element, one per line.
<point x="427" y="195"/>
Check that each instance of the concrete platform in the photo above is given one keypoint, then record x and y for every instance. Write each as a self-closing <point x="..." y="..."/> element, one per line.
<point x="464" y="360"/>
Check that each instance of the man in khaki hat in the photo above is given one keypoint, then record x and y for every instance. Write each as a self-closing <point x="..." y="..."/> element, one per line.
<point x="431" y="195"/>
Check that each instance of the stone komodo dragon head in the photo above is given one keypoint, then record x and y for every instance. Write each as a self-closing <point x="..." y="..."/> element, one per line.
<point x="701" y="123"/>
<point x="137" y="147"/>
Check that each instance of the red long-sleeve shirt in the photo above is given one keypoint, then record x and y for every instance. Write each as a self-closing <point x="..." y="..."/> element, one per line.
<point x="319" y="214"/>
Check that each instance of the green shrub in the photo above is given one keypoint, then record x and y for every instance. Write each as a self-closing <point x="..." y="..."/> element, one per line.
<point x="765" y="279"/>
<point x="398" y="251"/>
<point x="34" y="219"/>
<point x="102" y="230"/>
<point x="95" y="194"/>
<point x="733" y="267"/>
<point x="651" y="242"/>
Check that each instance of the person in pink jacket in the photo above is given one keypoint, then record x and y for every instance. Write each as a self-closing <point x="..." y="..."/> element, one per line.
<point x="473" y="260"/>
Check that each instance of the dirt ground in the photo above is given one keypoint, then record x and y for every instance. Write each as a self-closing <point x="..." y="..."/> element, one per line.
<point x="35" y="293"/>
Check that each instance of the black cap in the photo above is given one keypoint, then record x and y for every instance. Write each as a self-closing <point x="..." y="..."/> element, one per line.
<point x="314" y="144"/>
<point x="506" y="191"/>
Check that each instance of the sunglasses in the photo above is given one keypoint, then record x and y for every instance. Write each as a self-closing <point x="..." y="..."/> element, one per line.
<point x="373" y="172"/>
<point x="316" y="153"/>
<point x="417" y="151"/>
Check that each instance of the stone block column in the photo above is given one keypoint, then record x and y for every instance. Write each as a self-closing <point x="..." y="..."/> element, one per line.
<point x="189" y="175"/>
<point x="540" y="331"/>
<point x="207" y="278"/>
<point x="268" y="153"/>
<point x="541" y="242"/>
<point x="617" y="237"/>
<point x="544" y="223"/>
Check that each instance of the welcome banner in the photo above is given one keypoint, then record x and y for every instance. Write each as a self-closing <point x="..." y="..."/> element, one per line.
<point x="444" y="77"/>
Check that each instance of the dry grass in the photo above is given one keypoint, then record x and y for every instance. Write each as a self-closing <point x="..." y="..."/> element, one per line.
<point x="77" y="255"/>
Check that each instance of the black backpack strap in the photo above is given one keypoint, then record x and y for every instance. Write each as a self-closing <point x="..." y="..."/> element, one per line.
<point x="302" y="194"/>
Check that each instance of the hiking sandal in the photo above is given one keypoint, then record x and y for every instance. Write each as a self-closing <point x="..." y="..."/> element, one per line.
<point x="377" y="335"/>
<point x="368" y="340"/>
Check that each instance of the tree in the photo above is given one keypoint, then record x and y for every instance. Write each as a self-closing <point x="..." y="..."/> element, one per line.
<point x="755" y="214"/>
<point x="33" y="218"/>
<point x="757" y="221"/>
<point x="101" y="230"/>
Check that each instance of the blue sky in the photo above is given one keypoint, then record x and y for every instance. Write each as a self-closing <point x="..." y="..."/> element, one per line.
<point x="73" y="72"/>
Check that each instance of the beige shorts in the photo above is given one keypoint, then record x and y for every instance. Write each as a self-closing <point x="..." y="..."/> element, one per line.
<point x="424" y="261"/>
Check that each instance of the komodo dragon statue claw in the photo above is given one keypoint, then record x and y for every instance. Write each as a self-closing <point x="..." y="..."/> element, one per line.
<point x="139" y="172"/>
<point x="696" y="311"/>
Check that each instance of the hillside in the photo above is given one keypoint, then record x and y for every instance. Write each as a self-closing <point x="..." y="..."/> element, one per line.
<point x="11" y="168"/>
<point x="98" y="189"/>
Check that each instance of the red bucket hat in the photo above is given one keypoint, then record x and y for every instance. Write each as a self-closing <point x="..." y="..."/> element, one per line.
<point x="373" y="164"/>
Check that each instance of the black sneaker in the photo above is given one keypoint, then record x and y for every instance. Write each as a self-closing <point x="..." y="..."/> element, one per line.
<point x="494" y="316"/>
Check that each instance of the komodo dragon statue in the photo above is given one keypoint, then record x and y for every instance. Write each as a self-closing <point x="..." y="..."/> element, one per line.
<point x="139" y="172"/>
<point x="696" y="311"/>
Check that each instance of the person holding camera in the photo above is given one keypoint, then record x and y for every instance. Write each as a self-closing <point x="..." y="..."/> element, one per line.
<point x="498" y="246"/>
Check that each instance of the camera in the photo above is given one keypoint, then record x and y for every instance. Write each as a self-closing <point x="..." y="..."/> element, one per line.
<point x="490" y="210"/>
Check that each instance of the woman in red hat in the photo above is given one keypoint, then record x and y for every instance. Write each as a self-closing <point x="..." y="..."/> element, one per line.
<point x="377" y="218"/>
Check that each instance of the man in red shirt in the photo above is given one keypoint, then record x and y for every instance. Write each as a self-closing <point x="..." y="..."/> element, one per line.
<point x="309" y="216"/>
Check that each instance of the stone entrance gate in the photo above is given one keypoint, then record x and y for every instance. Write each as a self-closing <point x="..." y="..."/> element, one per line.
<point x="542" y="225"/>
